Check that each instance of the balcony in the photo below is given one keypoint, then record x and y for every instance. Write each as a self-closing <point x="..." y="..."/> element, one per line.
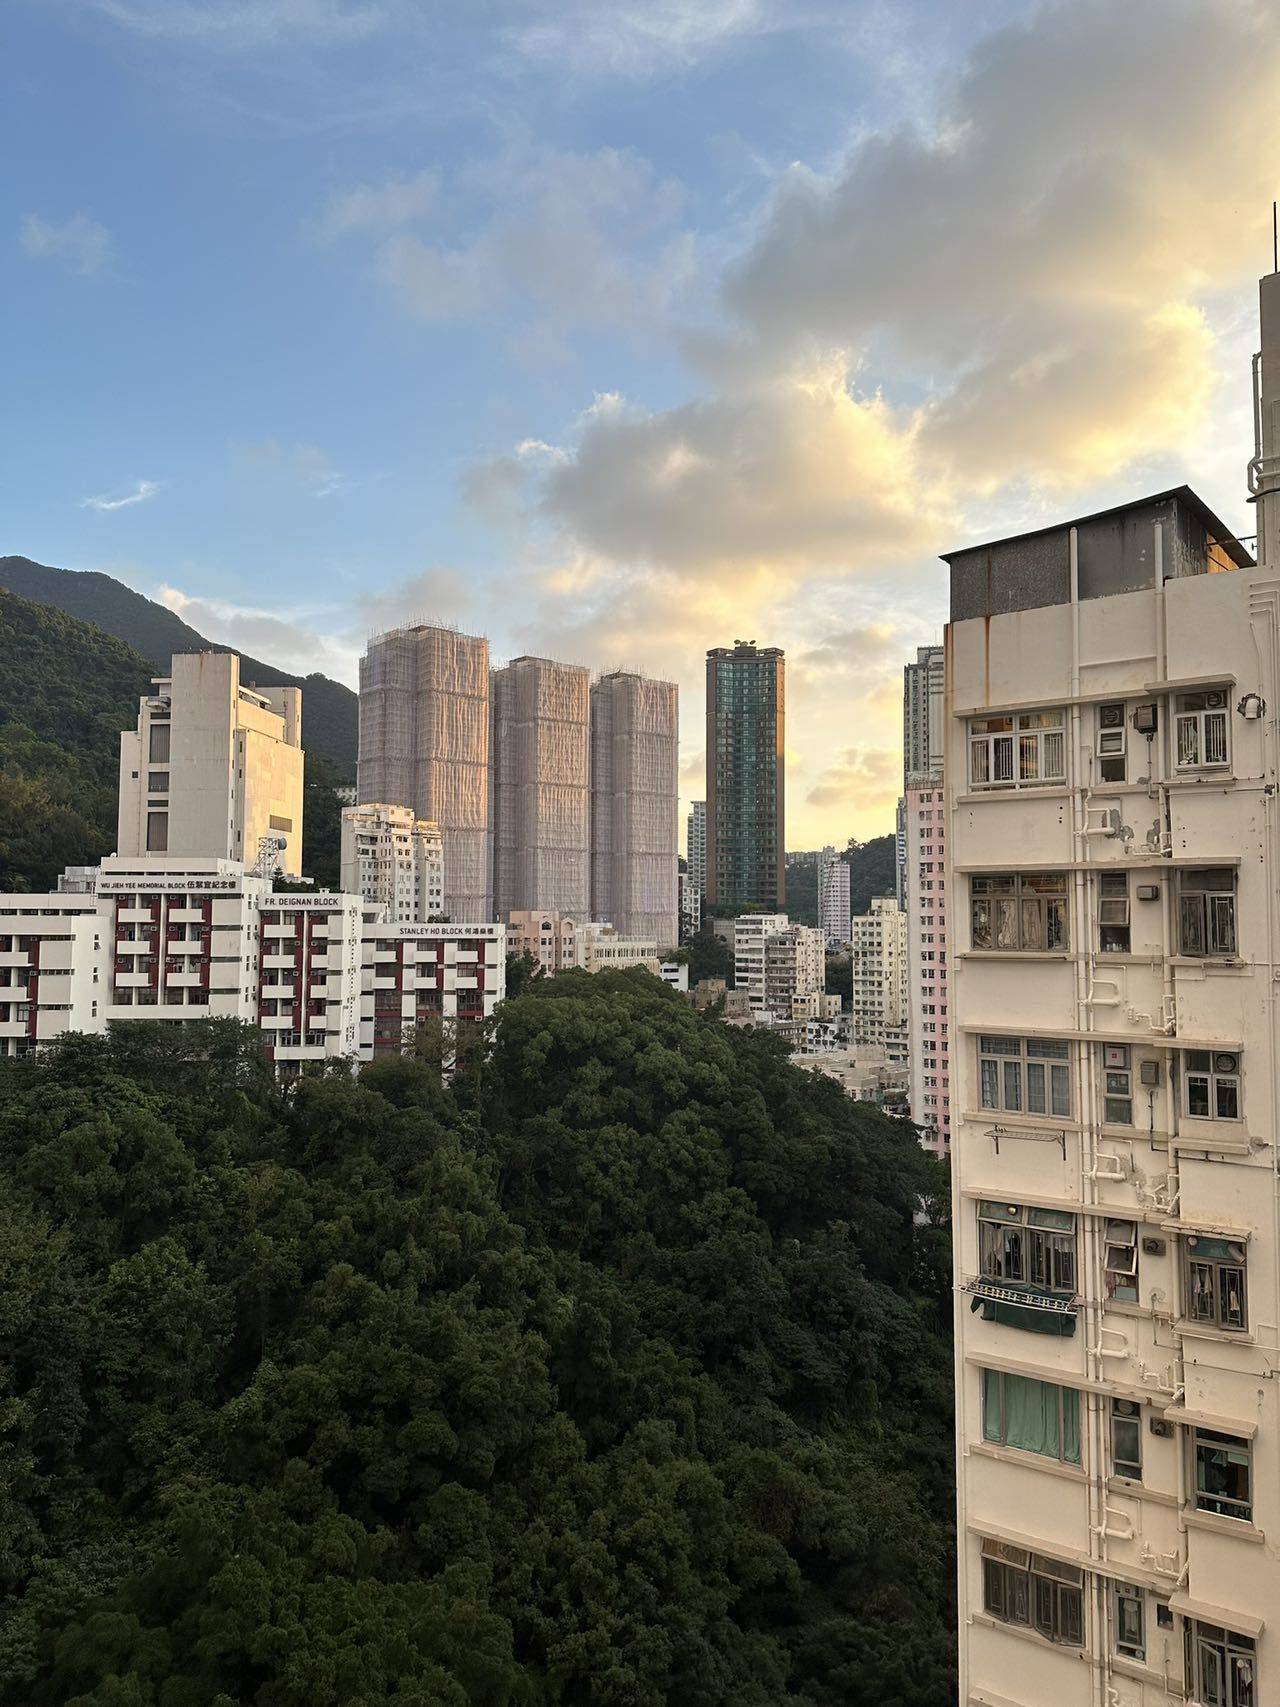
<point x="135" y="916"/>
<point x="279" y="963"/>
<point x="185" y="915"/>
<point x="1018" y="1305"/>
<point x="182" y="980"/>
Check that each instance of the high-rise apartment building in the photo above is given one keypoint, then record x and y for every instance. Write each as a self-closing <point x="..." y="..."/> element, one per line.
<point x="635" y="737"/>
<point x="1113" y="864"/>
<point x="696" y="846"/>
<point x="878" y="953"/>
<point x="541" y="749"/>
<point x="424" y="744"/>
<point x="775" y="961"/>
<point x="834" y="904"/>
<point x="928" y="1021"/>
<point x="922" y="719"/>
<point x="394" y="860"/>
<point x="746" y="776"/>
<point x="213" y="768"/>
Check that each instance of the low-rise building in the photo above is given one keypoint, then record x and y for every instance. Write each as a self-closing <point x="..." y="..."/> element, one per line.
<point x="602" y="949"/>
<point x="416" y="974"/>
<point x="549" y="937"/>
<point x="675" y="973"/>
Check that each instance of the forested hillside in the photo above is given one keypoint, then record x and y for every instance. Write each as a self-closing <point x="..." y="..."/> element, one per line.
<point x="329" y="709"/>
<point x="613" y="1376"/>
<point x="66" y="692"/>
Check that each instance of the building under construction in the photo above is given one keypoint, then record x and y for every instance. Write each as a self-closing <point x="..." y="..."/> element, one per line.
<point x="576" y="813"/>
<point x="424" y="743"/>
<point x="635" y="727"/>
<point x="541" y="745"/>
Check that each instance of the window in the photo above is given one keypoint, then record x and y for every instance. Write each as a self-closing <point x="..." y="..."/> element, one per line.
<point x="1221" y="1474"/>
<point x="1025" y="1075"/>
<point x="158" y="749"/>
<point x="1031" y="1416"/>
<point x="1207" y="912"/>
<point x="1117" y="1085"/>
<point x="1019" y="913"/>
<point x="1201" y="730"/>
<point x="1111" y="742"/>
<point x="1211" y="1084"/>
<point x="1221" y="1666"/>
<point x="1120" y="1261"/>
<point x="1214" y="1282"/>
<point x="1032" y="1246"/>
<point x="1128" y="1621"/>
<point x="157" y="782"/>
<point x="1113" y="912"/>
<point x="1126" y="1439"/>
<point x="157" y="832"/>
<point x="1009" y="752"/>
<point x="1019" y="1587"/>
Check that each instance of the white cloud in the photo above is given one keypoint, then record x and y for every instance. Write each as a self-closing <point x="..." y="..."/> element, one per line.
<point x="79" y="243"/>
<point x="296" y="646"/>
<point x="634" y="39"/>
<point x="379" y="207"/>
<point x="142" y="491"/>
<point x="240" y="24"/>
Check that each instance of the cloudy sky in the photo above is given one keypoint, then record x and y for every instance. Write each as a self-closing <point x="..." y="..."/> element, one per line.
<point x="616" y="331"/>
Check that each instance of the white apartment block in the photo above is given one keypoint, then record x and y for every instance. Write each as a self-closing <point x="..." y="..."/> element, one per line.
<point x="394" y="860"/>
<point x="775" y="962"/>
<point x="214" y="768"/>
<point x="1113" y="866"/>
<point x="834" y="905"/>
<point x="696" y="846"/>
<point x="928" y="1022"/>
<point x="690" y="897"/>
<point x="52" y="969"/>
<point x="603" y="949"/>
<point x="878" y="954"/>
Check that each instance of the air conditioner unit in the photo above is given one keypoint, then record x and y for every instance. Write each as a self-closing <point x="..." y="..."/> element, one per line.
<point x="1153" y="1247"/>
<point x="1149" y="1072"/>
<point x="1148" y="891"/>
<point x="1162" y="1428"/>
<point x="1146" y="718"/>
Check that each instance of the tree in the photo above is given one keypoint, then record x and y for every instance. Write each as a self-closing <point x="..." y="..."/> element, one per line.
<point x="612" y="1372"/>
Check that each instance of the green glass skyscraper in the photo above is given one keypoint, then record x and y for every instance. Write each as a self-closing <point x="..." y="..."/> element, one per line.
<point x="746" y="776"/>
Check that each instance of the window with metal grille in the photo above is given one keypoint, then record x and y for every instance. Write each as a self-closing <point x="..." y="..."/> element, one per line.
<point x="1027" y="749"/>
<point x="1215" y="1282"/>
<point x="1207" y="912"/>
<point x="1201" y="730"/>
<point x="1019" y="912"/>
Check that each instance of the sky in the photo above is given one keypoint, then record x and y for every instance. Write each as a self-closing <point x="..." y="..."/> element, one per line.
<point x="615" y="332"/>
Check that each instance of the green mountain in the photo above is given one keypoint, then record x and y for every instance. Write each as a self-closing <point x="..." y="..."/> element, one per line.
<point x="66" y="691"/>
<point x="871" y="872"/>
<point x="329" y="710"/>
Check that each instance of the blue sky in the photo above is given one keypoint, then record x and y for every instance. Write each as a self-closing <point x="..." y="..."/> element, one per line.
<point x="619" y="332"/>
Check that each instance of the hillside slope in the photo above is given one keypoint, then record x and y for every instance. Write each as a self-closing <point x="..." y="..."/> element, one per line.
<point x="329" y="710"/>
<point x="66" y="691"/>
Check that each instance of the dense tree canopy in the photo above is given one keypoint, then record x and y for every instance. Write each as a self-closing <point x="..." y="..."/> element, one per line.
<point x="612" y="1374"/>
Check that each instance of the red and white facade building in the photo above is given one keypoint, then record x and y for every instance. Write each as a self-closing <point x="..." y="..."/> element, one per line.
<point x="166" y="937"/>
<point x="924" y="816"/>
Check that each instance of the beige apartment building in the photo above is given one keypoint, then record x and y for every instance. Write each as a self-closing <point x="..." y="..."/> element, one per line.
<point x="394" y="860"/>
<point x="213" y="768"/>
<point x="878" y="976"/>
<point x="1113" y="889"/>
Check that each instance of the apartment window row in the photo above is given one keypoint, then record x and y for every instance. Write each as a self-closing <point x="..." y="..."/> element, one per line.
<point x="1028" y="748"/>
<point x="1027" y="912"/>
<point x="1033" y="1248"/>
<point x="1032" y="1075"/>
<point x="1021" y="1587"/>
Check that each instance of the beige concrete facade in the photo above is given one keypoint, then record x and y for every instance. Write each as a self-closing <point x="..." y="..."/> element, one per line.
<point x="213" y="767"/>
<point x="1113" y="866"/>
<point x="878" y="953"/>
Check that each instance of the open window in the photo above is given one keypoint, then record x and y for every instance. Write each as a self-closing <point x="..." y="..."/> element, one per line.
<point x="1215" y="1282"/>
<point x="1035" y="1247"/>
<point x="1222" y="1474"/>
<point x="1120" y="1261"/>
<point x="1128" y="1621"/>
<point x="1126" y="1439"/>
<point x="1221" y="1667"/>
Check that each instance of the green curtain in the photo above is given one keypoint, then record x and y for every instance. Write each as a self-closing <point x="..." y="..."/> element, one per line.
<point x="1033" y="1420"/>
